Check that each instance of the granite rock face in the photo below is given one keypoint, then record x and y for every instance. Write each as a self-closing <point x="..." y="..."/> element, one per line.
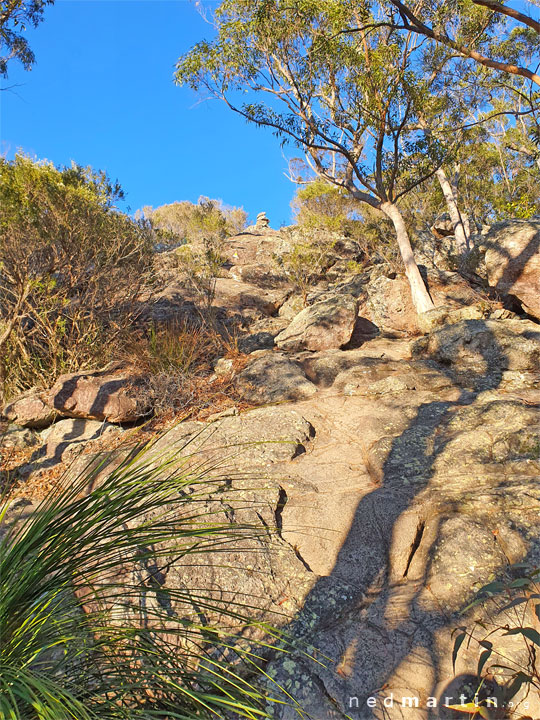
<point x="512" y="261"/>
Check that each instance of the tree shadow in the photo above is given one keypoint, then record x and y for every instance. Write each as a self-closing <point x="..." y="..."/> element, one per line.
<point x="376" y="608"/>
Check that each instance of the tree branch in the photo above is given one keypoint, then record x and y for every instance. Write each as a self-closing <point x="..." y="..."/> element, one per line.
<point x="510" y="12"/>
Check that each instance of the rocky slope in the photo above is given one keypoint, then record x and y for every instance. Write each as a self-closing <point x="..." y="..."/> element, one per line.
<point x="399" y="462"/>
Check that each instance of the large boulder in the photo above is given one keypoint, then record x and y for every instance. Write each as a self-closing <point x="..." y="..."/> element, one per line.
<point x="116" y="397"/>
<point x="389" y="304"/>
<point x="274" y="378"/>
<point x="29" y="411"/>
<point x="513" y="261"/>
<point x="326" y="324"/>
<point x="243" y="297"/>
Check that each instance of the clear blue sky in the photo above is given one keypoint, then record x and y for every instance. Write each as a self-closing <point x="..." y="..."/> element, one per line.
<point x="102" y="94"/>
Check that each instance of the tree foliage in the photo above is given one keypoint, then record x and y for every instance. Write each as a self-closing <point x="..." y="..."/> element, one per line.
<point x="479" y="30"/>
<point x="15" y="17"/>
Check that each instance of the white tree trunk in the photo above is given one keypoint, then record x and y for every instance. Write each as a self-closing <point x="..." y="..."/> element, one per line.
<point x="419" y="293"/>
<point x="463" y="214"/>
<point x="460" y="231"/>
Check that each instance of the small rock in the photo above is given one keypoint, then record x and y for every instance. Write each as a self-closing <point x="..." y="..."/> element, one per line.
<point x="256" y="341"/>
<point x="291" y="307"/>
<point x="14" y="437"/>
<point x="223" y="366"/>
<point x="66" y="438"/>
<point x="75" y="430"/>
<point x="29" y="411"/>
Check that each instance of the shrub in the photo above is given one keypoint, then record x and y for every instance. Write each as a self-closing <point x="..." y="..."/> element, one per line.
<point x="185" y="222"/>
<point x="321" y="207"/>
<point x="512" y="608"/>
<point x="176" y="358"/>
<point x="309" y="256"/>
<point x="200" y="265"/>
<point x="71" y="268"/>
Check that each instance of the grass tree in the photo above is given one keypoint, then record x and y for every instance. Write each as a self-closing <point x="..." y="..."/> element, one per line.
<point x="350" y="100"/>
<point x="90" y="627"/>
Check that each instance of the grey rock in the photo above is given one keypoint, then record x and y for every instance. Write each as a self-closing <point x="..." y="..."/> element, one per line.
<point x="274" y="378"/>
<point x="256" y="341"/>
<point x="64" y="440"/>
<point x="324" y="325"/>
<point x="15" y="437"/>
<point x="223" y="366"/>
<point x="484" y="346"/>
<point x="291" y="307"/>
<point x="75" y="430"/>
<point x="444" y="315"/>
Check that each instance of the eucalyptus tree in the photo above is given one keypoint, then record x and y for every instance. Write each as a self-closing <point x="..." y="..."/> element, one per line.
<point x="15" y="17"/>
<point x="351" y="100"/>
<point x="491" y="33"/>
<point x="471" y="95"/>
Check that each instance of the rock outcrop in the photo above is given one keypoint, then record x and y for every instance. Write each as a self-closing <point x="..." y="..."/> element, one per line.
<point x="399" y="472"/>
<point x="512" y="261"/>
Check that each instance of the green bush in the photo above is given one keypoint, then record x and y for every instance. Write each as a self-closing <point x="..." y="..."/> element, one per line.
<point x="71" y="268"/>
<point x="309" y="256"/>
<point x="185" y="222"/>
<point x="319" y="206"/>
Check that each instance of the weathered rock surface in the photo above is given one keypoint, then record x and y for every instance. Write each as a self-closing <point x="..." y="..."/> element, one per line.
<point x="66" y="438"/>
<point x="112" y="396"/>
<point x="274" y="378"/>
<point x="291" y="307"/>
<point x="513" y="261"/>
<point x="240" y="296"/>
<point x="16" y="437"/>
<point x="321" y="326"/>
<point x="390" y="307"/>
<point x="488" y="345"/>
<point x="255" y="439"/>
<point x="30" y="411"/>
<point x="417" y="498"/>
<point x="400" y="474"/>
